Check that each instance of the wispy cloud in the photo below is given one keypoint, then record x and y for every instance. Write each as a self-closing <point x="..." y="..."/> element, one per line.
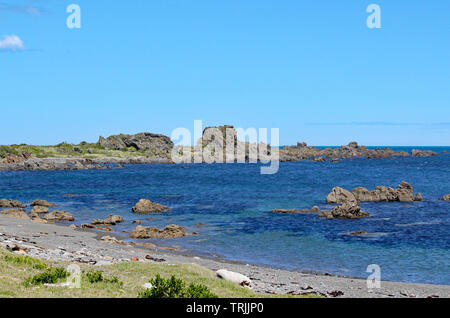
<point x="25" y="9"/>
<point x="378" y="123"/>
<point x="11" y="43"/>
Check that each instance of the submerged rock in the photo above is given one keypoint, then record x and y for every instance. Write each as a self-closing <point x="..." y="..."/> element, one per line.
<point x="338" y="195"/>
<point x="170" y="231"/>
<point x="58" y="216"/>
<point x="314" y="209"/>
<point x="146" y="206"/>
<point x="42" y="203"/>
<point x="8" y="203"/>
<point x="16" y="213"/>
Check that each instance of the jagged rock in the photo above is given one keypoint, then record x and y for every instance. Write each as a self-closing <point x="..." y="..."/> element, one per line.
<point x="148" y="142"/>
<point x="423" y="153"/>
<point x="146" y="206"/>
<point x="347" y="210"/>
<point x="42" y="203"/>
<point x="58" y="216"/>
<point x="109" y="220"/>
<point x="170" y="231"/>
<point x="16" y="213"/>
<point x="8" y="203"/>
<point x="39" y="209"/>
<point x="445" y="198"/>
<point x="403" y="193"/>
<point x="339" y="195"/>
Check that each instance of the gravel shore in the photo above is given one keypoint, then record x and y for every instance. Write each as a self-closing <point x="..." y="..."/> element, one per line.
<point x="62" y="243"/>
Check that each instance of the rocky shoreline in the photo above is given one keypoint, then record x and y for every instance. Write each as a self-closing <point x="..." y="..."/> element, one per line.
<point x="149" y="148"/>
<point x="62" y="243"/>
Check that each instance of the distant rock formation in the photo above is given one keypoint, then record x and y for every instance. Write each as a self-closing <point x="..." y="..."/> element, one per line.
<point x="303" y="152"/>
<point x="403" y="193"/>
<point x="155" y="144"/>
<point x="445" y="198"/>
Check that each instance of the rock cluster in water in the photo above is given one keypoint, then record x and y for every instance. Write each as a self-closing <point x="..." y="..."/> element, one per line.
<point x="145" y="206"/>
<point x="170" y="231"/>
<point x="39" y="212"/>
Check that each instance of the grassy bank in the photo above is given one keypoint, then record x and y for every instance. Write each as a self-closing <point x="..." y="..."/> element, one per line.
<point x="121" y="280"/>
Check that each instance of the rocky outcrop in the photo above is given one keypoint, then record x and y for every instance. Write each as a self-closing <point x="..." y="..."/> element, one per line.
<point x="8" y="203"/>
<point x="145" y="206"/>
<point x="303" y="152"/>
<point x="147" y="142"/>
<point x="423" y="153"/>
<point x="403" y="193"/>
<point x="58" y="216"/>
<point x="445" y="198"/>
<point x="338" y="195"/>
<point x="42" y="203"/>
<point x="170" y="231"/>
<point x="109" y="220"/>
<point x="16" y="213"/>
<point x="347" y="210"/>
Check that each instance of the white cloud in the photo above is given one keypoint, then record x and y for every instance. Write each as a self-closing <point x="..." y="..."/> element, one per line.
<point x="11" y="42"/>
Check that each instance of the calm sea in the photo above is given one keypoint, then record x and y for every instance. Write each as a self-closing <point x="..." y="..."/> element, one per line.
<point x="410" y="241"/>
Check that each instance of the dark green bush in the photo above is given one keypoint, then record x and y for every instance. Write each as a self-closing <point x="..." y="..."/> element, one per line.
<point x="49" y="276"/>
<point x="97" y="277"/>
<point x="175" y="288"/>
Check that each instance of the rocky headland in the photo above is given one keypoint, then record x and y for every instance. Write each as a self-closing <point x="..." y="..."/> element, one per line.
<point x="148" y="148"/>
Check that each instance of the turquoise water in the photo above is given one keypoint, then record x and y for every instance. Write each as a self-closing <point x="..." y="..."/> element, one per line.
<point x="411" y="241"/>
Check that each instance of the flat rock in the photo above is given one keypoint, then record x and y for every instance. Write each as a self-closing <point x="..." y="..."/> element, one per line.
<point x="16" y="213"/>
<point x="59" y="216"/>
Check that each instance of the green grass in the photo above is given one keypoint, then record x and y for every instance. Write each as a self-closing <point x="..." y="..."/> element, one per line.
<point x="119" y="280"/>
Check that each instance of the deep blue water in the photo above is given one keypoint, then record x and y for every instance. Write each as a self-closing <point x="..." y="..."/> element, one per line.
<point x="411" y="241"/>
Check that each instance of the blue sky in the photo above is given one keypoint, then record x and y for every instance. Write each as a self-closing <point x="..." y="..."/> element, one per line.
<point x="311" y="68"/>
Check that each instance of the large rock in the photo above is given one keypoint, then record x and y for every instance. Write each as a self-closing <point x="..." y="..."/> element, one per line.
<point x="39" y="209"/>
<point x="16" y="213"/>
<point x="170" y="231"/>
<point x="145" y="206"/>
<point x="445" y="198"/>
<point x="109" y="220"/>
<point x="8" y="203"/>
<point x="58" y="216"/>
<point x="423" y="153"/>
<point x="347" y="210"/>
<point x="403" y="193"/>
<point x="42" y="203"/>
<point x="338" y="195"/>
<point x="151" y="143"/>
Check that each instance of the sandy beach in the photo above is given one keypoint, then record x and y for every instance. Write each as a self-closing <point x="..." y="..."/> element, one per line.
<point x="62" y="243"/>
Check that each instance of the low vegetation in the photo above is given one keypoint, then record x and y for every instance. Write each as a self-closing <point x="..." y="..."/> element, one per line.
<point x="175" y="288"/>
<point x="23" y="276"/>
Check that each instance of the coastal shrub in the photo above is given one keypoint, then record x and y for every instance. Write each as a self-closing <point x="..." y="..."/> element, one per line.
<point x="49" y="276"/>
<point x="8" y="150"/>
<point x="97" y="277"/>
<point x="175" y="288"/>
<point x="26" y="260"/>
